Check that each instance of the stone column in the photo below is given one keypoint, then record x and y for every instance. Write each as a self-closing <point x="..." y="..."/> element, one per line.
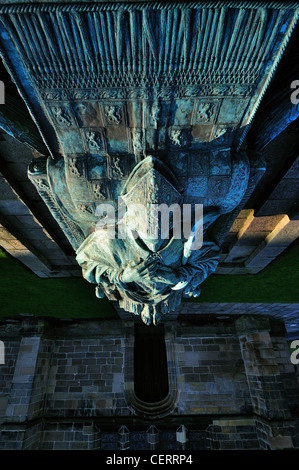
<point x="262" y="371"/>
<point x="267" y="365"/>
<point x="21" y="428"/>
<point x="26" y="396"/>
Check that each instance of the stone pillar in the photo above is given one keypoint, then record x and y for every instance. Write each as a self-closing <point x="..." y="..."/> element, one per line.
<point x="254" y="242"/>
<point x="29" y="380"/>
<point x="153" y="437"/>
<point x="97" y="437"/>
<point x="21" y="428"/>
<point x="123" y="441"/>
<point x="231" y="248"/>
<point x="16" y="433"/>
<point x="280" y="238"/>
<point x="262" y="370"/>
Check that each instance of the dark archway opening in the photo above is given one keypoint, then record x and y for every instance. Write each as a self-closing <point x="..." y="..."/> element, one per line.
<point x="150" y="363"/>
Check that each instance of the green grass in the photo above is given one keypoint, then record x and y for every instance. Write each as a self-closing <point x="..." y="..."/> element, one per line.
<point x="21" y="291"/>
<point x="277" y="283"/>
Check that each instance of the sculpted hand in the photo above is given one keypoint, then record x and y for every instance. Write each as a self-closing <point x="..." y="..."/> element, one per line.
<point x="139" y="271"/>
<point x="167" y="275"/>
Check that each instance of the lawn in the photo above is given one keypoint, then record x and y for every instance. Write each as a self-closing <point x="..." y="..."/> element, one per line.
<point x="21" y="291"/>
<point x="277" y="283"/>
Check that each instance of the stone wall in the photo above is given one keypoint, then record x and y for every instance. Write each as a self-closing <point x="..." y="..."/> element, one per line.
<point x="211" y="373"/>
<point x="87" y="378"/>
<point x="233" y="434"/>
<point x="68" y="385"/>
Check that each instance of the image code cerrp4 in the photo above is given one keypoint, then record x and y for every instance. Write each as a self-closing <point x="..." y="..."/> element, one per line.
<point x="155" y="459"/>
<point x="170" y="459"/>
